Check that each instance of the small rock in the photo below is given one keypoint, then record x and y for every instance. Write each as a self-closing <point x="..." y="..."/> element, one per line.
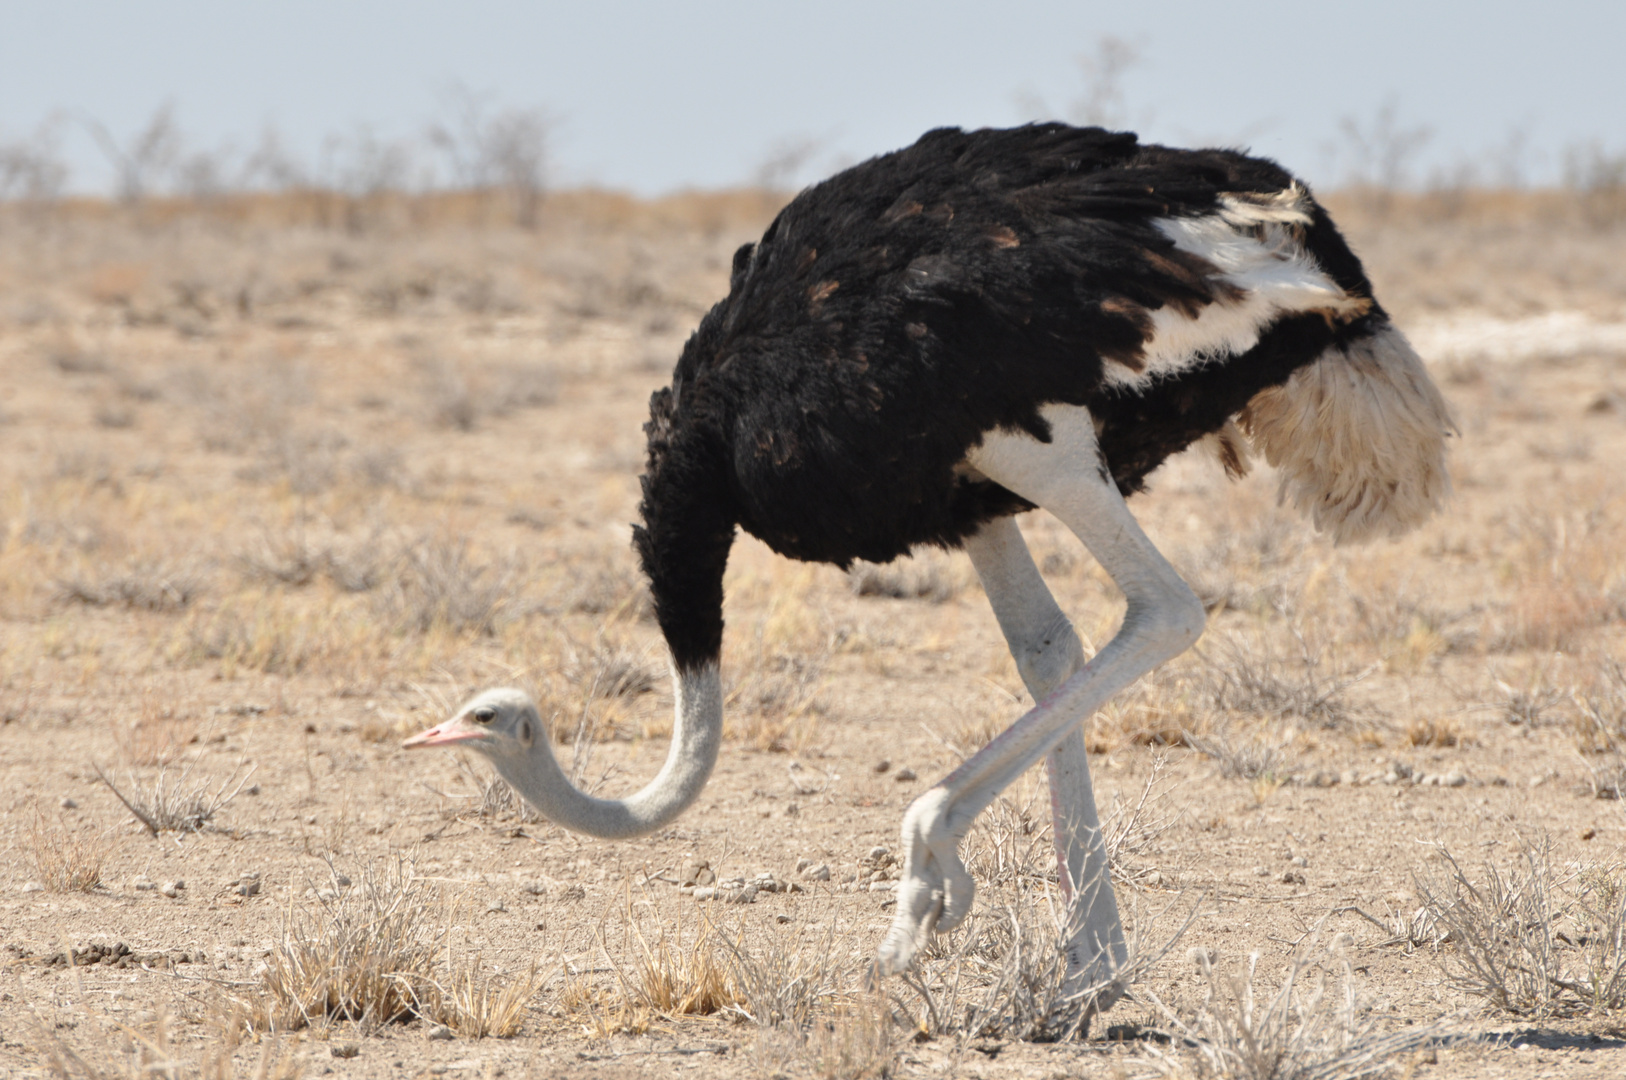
<point x="344" y="1050"/>
<point x="69" y="804"/>
<point x="142" y="882"/>
<point x="882" y="886"/>
<point x="341" y="881"/>
<point x="252" y="789"/>
<point x="820" y="872"/>
<point x="879" y="854"/>
<point x="1300" y="860"/>
<point x="33" y="886"/>
<point x="438" y="1032"/>
<point x="781" y="919"/>
<point x="535" y="888"/>
<point x="247" y="885"/>
<point x="1342" y="941"/>
<point x="904" y="776"/>
<point x="1453" y="779"/>
<point x="792" y="810"/>
<point x="882" y="765"/>
<point x="699" y="872"/>
<point x="1292" y="877"/>
<point x="704" y="892"/>
<point x="1350" y="777"/>
<point x="496" y="907"/>
<point x="573" y="892"/>
<point x="745" y="895"/>
<point x="1261" y="871"/>
<point x="803" y="863"/>
<point x="170" y="889"/>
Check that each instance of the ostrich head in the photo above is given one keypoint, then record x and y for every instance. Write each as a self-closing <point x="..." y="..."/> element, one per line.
<point x="502" y="723"/>
<point x="506" y="726"/>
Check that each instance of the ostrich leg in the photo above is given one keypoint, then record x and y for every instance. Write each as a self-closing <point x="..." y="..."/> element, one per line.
<point x="1047" y="653"/>
<point x="1163" y="618"/>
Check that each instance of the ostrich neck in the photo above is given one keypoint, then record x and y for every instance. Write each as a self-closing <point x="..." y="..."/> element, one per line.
<point x="696" y="734"/>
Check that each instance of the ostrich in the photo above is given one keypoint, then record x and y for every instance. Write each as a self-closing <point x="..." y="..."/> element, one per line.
<point x="939" y="338"/>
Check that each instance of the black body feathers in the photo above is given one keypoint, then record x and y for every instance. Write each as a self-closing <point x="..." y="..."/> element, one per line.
<point x="894" y="313"/>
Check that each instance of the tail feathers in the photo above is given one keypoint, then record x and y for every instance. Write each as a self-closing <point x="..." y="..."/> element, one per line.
<point x="1359" y="438"/>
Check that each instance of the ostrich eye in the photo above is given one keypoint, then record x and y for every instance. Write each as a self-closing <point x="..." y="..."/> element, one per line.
<point x="485" y="714"/>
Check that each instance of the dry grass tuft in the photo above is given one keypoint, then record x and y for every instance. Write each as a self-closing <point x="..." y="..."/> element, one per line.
<point x="664" y="972"/>
<point x="373" y="953"/>
<point x="1535" y="939"/>
<point x="63" y="859"/>
<point x="178" y="805"/>
<point x="1236" y="1033"/>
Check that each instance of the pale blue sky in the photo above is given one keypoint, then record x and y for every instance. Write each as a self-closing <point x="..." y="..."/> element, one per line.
<point x="657" y="96"/>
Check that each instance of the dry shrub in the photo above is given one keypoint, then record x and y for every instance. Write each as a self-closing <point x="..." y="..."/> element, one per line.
<point x="64" y="859"/>
<point x="791" y="986"/>
<point x="178" y="804"/>
<point x="374" y="952"/>
<point x="1004" y="974"/>
<point x="1258" y="678"/>
<point x="776" y="709"/>
<point x="1600" y="720"/>
<point x="1534" y="939"/>
<point x="270" y="633"/>
<point x="1244" y="756"/>
<point x="1553" y="616"/>
<point x="1439" y="731"/>
<point x="1295" y="1033"/>
<point x="437" y="584"/>
<point x="608" y="668"/>
<point x="148" y="1053"/>
<point x="155" y="735"/>
<point x="297" y="561"/>
<point x="1568" y="566"/>
<point x="857" y="1040"/>
<point x="143" y="585"/>
<point x="497" y="800"/>
<point x="927" y="574"/>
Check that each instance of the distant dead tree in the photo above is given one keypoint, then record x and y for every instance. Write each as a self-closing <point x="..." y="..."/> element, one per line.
<point x="1377" y="155"/>
<point x="31" y="167"/>
<point x="784" y="162"/>
<point x="144" y="162"/>
<point x="504" y="151"/>
<point x="273" y="166"/>
<point x="1103" y="103"/>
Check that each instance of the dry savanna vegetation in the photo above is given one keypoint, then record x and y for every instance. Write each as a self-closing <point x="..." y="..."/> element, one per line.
<point x="283" y="478"/>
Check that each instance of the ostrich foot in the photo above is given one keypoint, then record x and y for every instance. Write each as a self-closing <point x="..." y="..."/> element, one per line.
<point x="935" y="892"/>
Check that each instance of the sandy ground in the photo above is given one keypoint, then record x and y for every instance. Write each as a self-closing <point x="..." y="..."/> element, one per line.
<point x="274" y="495"/>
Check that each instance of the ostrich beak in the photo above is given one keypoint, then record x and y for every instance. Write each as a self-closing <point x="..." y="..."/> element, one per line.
<point x="452" y="731"/>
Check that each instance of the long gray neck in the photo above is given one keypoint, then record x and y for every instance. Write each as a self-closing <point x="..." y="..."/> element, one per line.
<point x="696" y="735"/>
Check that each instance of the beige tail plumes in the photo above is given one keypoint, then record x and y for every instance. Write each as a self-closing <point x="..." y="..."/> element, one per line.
<point x="1359" y="437"/>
